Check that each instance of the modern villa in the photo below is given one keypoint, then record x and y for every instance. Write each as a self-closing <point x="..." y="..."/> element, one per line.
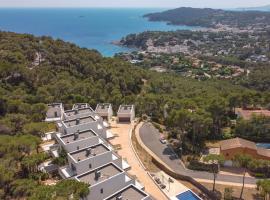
<point x="247" y="114"/>
<point x="131" y="193"/>
<point x="105" y="111"/>
<point x="81" y="105"/>
<point x="106" y="180"/>
<point x="231" y="147"/>
<point x="55" y="112"/>
<point x="92" y="160"/>
<point x="126" y="113"/>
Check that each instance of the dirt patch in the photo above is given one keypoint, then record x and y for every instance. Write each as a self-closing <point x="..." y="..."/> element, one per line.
<point x="248" y="194"/>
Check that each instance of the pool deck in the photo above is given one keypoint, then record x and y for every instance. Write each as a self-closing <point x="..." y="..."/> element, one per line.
<point x="172" y="188"/>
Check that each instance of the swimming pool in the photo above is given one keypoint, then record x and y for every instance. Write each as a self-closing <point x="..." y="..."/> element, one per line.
<point x="188" y="195"/>
<point x="263" y="145"/>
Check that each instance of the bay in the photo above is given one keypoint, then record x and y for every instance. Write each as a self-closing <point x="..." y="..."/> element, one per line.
<point x="93" y="28"/>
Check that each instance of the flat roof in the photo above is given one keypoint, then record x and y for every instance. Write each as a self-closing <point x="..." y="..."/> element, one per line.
<point x="78" y="121"/>
<point x="89" y="152"/>
<point x="53" y="105"/>
<point x="130" y="193"/>
<point x="78" y="111"/>
<point x="125" y="108"/>
<point x="80" y="136"/>
<point x="81" y="105"/>
<point x="103" y="107"/>
<point x="106" y="172"/>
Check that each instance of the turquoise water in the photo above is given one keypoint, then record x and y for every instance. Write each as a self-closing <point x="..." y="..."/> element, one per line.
<point x="188" y="195"/>
<point x="263" y="145"/>
<point x="90" y="28"/>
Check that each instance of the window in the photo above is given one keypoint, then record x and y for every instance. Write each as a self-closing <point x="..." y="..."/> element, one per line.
<point x="101" y="190"/>
<point x="78" y="147"/>
<point x="90" y="166"/>
<point x="227" y="154"/>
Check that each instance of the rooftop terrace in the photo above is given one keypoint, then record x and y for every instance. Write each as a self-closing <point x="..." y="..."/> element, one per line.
<point x="55" y="105"/>
<point x="103" y="107"/>
<point x="81" y="105"/>
<point x="129" y="193"/>
<point x="78" y="136"/>
<point x="125" y="108"/>
<point x="78" y="111"/>
<point x="100" y="174"/>
<point x="82" y="120"/>
<point x="89" y="152"/>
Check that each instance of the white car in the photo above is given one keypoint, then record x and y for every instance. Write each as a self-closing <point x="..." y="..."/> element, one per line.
<point x="163" y="141"/>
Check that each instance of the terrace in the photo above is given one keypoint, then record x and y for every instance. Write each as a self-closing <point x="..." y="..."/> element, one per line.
<point x="100" y="174"/>
<point x="103" y="108"/>
<point x="79" y="121"/>
<point x="130" y="193"/>
<point x="81" y="105"/>
<point x="125" y="109"/>
<point x="80" y="135"/>
<point x="74" y="112"/>
<point x="89" y="152"/>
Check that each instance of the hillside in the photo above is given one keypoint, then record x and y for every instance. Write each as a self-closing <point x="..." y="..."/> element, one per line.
<point x="211" y="18"/>
<point x="35" y="71"/>
<point x="260" y="8"/>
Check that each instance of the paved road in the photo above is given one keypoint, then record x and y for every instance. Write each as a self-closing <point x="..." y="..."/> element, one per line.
<point x="150" y="137"/>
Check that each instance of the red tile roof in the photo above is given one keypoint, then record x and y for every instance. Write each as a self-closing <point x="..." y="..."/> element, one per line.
<point x="247" y="114"/>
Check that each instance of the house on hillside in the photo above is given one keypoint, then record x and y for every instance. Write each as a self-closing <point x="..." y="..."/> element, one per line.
<point x="105" y="111"/>
<point x="126" y="113"/>
<point x="55" y="112"/>
<point x="106" y="180"/>
<point x="247" y="114"/>
<point x="231" y="147"/>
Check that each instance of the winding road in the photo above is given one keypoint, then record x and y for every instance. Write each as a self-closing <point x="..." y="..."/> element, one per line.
<point x="150" y="137"/>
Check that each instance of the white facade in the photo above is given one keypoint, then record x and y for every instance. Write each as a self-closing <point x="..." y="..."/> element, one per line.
<point x="126" y="113"/>
<point x="74" y="145"/>
<point x="104" y="188"/>
<point x="105" y="111"/>
<point x="55" y="112"/>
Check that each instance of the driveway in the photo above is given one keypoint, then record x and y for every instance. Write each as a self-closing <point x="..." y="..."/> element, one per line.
<point x="123" y="138"/>
<point x="150" y="137"/>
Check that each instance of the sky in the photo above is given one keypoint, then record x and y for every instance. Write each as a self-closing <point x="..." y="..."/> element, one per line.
<point x="134" y="3"/>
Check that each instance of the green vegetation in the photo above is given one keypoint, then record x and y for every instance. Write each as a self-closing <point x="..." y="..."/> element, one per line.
<point x="264" y="188"/>
<point x="256" y="129"/>
<point x="60" y="191"/>
<point x="243" y="161"/>
<point x="211" y="17"/>
<point x="195" y="111"/>
<point x="214" y="160"/>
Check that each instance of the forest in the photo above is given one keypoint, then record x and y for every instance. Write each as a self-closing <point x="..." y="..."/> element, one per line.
<point x="66" y="73"/>
<point x="208" y="17"/>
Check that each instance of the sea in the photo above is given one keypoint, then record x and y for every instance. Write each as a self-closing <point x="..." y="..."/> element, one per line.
<point x="92" y="28"/>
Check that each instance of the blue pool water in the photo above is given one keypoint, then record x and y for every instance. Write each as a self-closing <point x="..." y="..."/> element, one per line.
<point x="188" y="195"/>
<point x="90" y="27"/>
<point x="263" y="145"/>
